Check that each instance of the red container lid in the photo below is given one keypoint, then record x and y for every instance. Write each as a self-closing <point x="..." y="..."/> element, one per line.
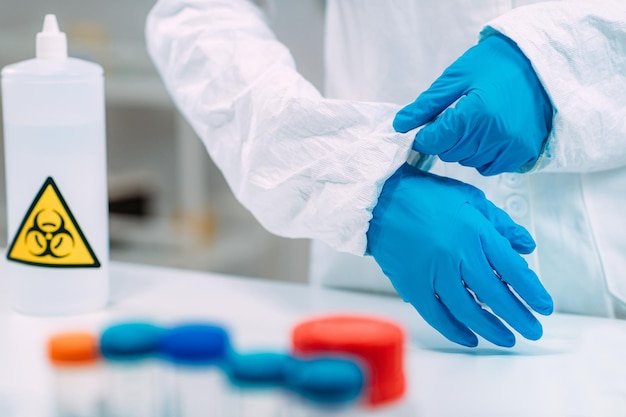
<point x="378" y="343"/>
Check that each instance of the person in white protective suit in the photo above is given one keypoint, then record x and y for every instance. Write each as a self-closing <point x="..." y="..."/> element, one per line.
<point x="314" y="166"/>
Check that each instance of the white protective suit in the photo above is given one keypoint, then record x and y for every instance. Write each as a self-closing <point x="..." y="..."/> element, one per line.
<point x="312" y="166"/>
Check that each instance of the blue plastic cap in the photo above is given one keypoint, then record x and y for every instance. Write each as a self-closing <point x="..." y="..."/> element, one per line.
<point x="195" y="344"/>
<point x="131" y="341"/>
<point x="257" y="369"/>
<point x="326" y="380"/>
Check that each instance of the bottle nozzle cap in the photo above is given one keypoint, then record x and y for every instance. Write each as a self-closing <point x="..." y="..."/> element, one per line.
<point x="50" y="24"/>
<point x="51" y="42"/>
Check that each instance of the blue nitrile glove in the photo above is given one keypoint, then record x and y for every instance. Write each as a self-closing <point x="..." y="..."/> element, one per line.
<point x="501" y="120"/>
<point x="442" y="243"/>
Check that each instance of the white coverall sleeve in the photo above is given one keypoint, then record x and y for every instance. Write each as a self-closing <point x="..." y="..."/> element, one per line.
<point x="305" y="166"/>
<point x="578" y="49"/>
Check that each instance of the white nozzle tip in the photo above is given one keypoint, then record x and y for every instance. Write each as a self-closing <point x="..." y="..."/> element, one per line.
<point x="50" y="24"/>
<point x="51" y="42"/>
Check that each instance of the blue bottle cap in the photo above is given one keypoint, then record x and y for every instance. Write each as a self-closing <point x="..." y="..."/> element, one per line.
<point x="257" y="369"/>
<point x="130" y="341"/>
<point x="195" y="344"/>
<point x="326" y="380"/>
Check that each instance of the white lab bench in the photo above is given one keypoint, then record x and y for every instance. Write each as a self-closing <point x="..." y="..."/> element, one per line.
<point x="577" y="369"/>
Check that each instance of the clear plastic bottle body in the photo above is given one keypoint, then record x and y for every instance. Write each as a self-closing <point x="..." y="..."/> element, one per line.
<point x="77" y="374"/>
<point x="199" y="391"/>
<point x="297" y="407"/>
<point x="257" y="402"/>
<point x="78" y="390"/>
<point x="54" y="127"/>
<point x="132" y="388"/>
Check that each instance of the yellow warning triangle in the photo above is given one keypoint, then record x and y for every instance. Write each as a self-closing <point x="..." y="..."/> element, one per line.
<point x="49" y="234"/>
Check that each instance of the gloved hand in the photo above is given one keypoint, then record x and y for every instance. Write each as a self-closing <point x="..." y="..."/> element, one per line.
<point x="446" y="249"/>
<point x="501" y="120"/>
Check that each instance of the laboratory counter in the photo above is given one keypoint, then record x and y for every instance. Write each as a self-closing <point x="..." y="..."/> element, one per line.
<point x="578" y="368"/>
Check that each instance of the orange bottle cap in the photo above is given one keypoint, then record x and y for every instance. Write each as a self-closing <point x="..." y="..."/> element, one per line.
<point x="378" y="343"/>
<point x="77" y="348"/>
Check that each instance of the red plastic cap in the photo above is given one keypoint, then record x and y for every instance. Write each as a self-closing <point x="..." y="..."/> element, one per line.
<point x="378" y="343"/>
<point x="77" y="348"/>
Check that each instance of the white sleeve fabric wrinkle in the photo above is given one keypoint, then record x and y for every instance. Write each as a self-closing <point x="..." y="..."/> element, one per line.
<point x="305" y="166"/>
<point x="578" y="49"/>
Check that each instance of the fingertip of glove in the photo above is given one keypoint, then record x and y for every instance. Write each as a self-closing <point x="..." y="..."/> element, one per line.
<point x="530" y="242"/>
<point x="467" y="339"/>
<point x="531" y="330"/>
<point x="508" y="342"/>
<point x="463" y="337"/>
<point x="525" y="248"/>
<point x="504" y="338"/>
<point x="543" y="304"/>
<point x="535" y="333"/>
<point x="524" y="242"/>
<point x="467" y="342"/>
<point x="402" y="123"/>
<point x="546" y="310"/>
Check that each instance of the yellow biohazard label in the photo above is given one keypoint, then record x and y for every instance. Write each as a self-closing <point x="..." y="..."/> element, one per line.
<point x="49" y="235"/>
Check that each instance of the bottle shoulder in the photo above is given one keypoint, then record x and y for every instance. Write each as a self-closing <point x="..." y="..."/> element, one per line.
<point x="43" y="70"/>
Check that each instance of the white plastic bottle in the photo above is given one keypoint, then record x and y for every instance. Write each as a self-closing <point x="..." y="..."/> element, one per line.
<point x="57" y="205"/>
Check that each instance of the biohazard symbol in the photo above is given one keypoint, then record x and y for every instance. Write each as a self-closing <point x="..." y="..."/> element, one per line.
<point x="49" y="235"/>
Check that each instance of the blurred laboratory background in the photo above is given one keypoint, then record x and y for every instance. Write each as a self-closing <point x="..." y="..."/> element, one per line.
<point x="169" y="204"/>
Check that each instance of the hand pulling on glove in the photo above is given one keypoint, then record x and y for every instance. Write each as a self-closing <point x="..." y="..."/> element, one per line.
<point x="502" y="117"/>
<point x="447" y="250"/>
